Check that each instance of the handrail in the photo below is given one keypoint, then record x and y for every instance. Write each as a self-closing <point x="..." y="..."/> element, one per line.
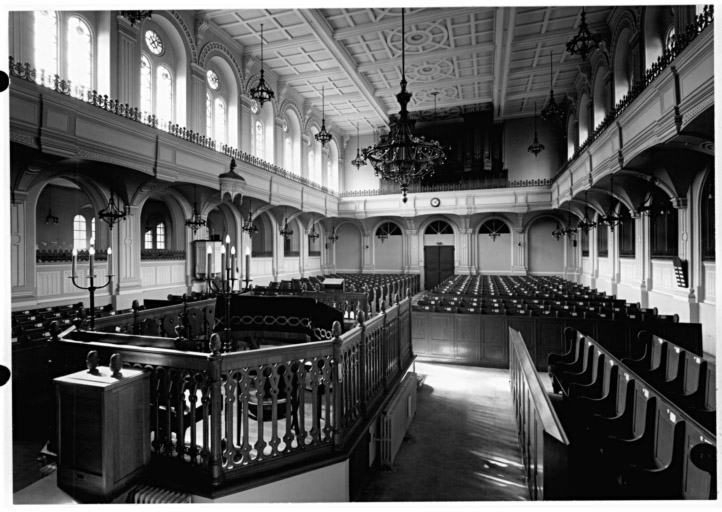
<point x="453" y="187"/>
<point x="518" y="354"/>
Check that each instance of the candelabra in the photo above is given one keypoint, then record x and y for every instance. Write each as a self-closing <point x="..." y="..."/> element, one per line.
<point x="91" y="275"/>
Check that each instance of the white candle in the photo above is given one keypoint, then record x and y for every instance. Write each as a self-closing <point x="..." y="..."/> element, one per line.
<point x="233" y="261"/>
<point x="110" y="261"/>
<point x="91" y="253"/>
<point x="209" y="261"/>
<point x="223" y="261"/>
<point x="248" y="263"/>
<point x="228" y="250"/>
<point x="75" y="259"/>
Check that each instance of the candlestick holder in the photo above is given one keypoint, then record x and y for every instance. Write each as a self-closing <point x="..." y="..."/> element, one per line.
<point x="91" y="290"/>
<point x="248" y="282"/>
<point x="227" y="292"/>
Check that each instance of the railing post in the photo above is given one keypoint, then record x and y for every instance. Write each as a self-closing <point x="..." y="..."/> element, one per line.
<point x="399" y="331"/>
<point x="337" y="378"/>
<point x="215" y="463"/>
<point x="386" y="346"/>
<point x="363" y="366"/>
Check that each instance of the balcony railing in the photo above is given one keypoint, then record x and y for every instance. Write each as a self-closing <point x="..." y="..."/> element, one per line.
<point x="220" y="417"/>
<point x="480" y="184"/>
<point x="162" y="254"/>
<point x="124" y="110"/>
<point x="680" y="42"/>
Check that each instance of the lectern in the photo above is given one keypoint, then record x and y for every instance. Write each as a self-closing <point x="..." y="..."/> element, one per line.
<point x="103" y="430"/>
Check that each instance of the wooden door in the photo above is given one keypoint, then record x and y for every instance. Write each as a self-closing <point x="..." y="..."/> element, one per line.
<point x="438" y="264"/>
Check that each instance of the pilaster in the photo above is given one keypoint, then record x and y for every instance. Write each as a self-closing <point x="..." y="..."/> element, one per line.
<point x="127" y="70"/>
<point x="197" y="103"/>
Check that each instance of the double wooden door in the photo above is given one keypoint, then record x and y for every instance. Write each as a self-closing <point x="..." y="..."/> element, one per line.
<point x="438" y="264"/>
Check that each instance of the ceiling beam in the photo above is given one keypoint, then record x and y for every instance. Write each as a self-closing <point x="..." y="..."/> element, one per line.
<point x="320" y="27"/>
<point x="506" y="61"/>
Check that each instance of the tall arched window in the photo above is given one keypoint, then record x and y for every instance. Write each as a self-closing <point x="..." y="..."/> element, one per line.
<point x="146" y="85"/>
<point x="209" y="114"/>
<point x="80" y="232"/>
<point x="288" y="154"/>
<point x="160" y="236"/>
<point x="663" y="227"/>
<point x="216" y="111"/>
<point x="219" y="121"/>
<point x="80" y="53"/>
<point x="708" y="222"/>
<point x="311" y="164"/>
<point x="164" y="94"/>
<point x="46" y="44"/>
<point x="260" y="140"/>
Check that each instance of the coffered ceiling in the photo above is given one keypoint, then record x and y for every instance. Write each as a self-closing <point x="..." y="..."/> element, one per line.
<point x="473" y="57"/>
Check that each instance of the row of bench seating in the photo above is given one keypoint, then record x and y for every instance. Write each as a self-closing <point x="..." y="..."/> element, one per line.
<point x="550" y="286"/>
<point x="649" y="431"/>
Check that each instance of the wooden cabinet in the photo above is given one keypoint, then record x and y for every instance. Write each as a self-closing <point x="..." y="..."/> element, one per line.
<point x="103" y="431"/>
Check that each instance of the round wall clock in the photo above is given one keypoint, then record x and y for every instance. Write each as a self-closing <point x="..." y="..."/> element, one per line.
<point x="435" y="201"/>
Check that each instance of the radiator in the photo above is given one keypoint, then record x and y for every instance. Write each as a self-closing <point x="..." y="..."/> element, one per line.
<point x="396" y="418"/>
<point x="146" y="494"/>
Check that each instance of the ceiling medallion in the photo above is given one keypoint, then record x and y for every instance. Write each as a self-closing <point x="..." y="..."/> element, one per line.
<point x="400" y="156"/>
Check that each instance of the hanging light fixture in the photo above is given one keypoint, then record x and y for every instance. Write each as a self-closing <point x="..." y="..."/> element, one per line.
<point x="610" y="219"/>
<point x="584" y="42"/>
<point x="359" y="161"/>
<point x="333" y="236"/>
<point x="262" y="92"/>
<point x="134" y="17"/>
<point x="248" y="226"/>
<point x="586" y="224"/>
<point x="111" y="213"/>
<point x="323" y="136"/>
<point x="552" y="112"/>
<point x="558" y="232"/>
<point x="571" y="231"/>
<point x="536" y="147"/>
<point x="313" y="234"/>
<point x="231" y="183"/>
<point x="382" y="233"/>
<point x="285" y="231"/>
<point x="50" y="219"/>
<point x="196" y="221"/>
<point x="400" y="156"/>
<point x="495" y="228"/>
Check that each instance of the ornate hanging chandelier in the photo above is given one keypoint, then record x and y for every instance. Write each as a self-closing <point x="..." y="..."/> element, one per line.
<point x="558" y="232"/>
<point x="535" y="147"/>
<point x="359" y="161"/>
<point x="262" y="92"/>
<point x="569" y="232"/>
<point x="586" y="224"/>
<point x="584" y="42"/>
<point x="552" y="112"/>
<point x="134" y="17"/>
<point x="313" y="234"/>
<point x="196" y="221"/>
<point x="285" y="231"/>
<point x="111" y="213"/>
<point x="610" y="219"/>
<point x="323" y="136"/>
<point x="400" y="156"/>
<point x="248" y="226"/>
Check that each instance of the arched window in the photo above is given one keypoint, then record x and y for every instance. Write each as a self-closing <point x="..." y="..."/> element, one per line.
<point x="160" y="236"/>
<point x="708" y="223"/>
<point x="80" y="53"/>
<point x="80" y="232"/>
<point x="439" y="227"/>
<point x="164" y="94"/>
<point x="626" y="233"/>
<point x="311" y="164"/>
<point x="583" y="112"/>
<point x="663" y="222"/>
<point x="219" y="124"/>
<point x="260" y="141"/>
<point x="288" y="154"/>
<point x="216" y="111"/>
<point x="386" y="230"/>
<point x="669" y="40"/>
<point x="494" y="228"/>
<point x="46" y="44"/>
<point x="92" y="228"/>
<point x="146" y="85"/>
<point x="148" y="242"/>
<point x="209" y="114"/>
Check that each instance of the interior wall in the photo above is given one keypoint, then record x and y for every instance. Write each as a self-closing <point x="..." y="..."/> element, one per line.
<point x="523" y="165"/>
<point x="348" y="248"/>
<point x="546" y="256"/>
<point x="362" y="178"/>
<point x="495" y="256"/>
<point x="388" y="256"/>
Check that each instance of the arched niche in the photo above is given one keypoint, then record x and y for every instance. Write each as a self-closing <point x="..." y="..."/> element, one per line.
<point x="601" y="97"/>
<point x="231" y="95"/>
<point x="292" y="143"/>
<point x="657" y="22"/>
<point x="348" y="248"/>
<point x="545" y="254"/>
<point x="623" y="64"/>
<point x="388" y="247"/>
<point x="584" y="121"/>
<point x="495" y="246"/>
<point x="59" y="202"/>
<point x="572" y="133"/>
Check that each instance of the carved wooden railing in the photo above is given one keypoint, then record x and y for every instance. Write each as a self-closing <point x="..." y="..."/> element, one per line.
<point x="479" y="184"/>
<point x="207" y="426"/>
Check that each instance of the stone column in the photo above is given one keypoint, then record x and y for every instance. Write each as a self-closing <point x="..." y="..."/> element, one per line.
<point x="129" y="282"/>
<point x="642" y="253"/>
<point x="197" y="105"/>
<point x="127" y="64"/>
<point x="519" y="265"/>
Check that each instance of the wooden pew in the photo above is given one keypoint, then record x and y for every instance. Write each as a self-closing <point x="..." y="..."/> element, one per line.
<point x="543" y="441"/>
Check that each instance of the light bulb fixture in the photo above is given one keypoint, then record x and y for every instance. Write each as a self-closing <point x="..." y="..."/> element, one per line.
<point x="586" y="224"/>
<point x="285" y="231"/>
<point x="196" y="221"/>
<point x="610" y="219"/>
<point x="584" y="42"/>
<point x="313" y="234"/>
<point x="400" y="156"/>
<point x="535" y="147"/>
<point x="323" y="136"/>
<point x="50" y="218"/>
<point x="262" y="92"/>
<point x="359" y="161"/>
<point x="333" y="236"/>
<point x="111" y="213"/>
<point x="134" y="17"/>
<point x="248" y="226"/>
<point x="552" y="112"/>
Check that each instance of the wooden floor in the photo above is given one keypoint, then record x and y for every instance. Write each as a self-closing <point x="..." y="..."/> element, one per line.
<point x="462" y="444"/>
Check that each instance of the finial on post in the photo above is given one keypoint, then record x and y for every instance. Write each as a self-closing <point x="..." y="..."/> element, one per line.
<point x="91" y="361"/>
<point x="215" y="344"/>
<point x="116" y="364"/>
